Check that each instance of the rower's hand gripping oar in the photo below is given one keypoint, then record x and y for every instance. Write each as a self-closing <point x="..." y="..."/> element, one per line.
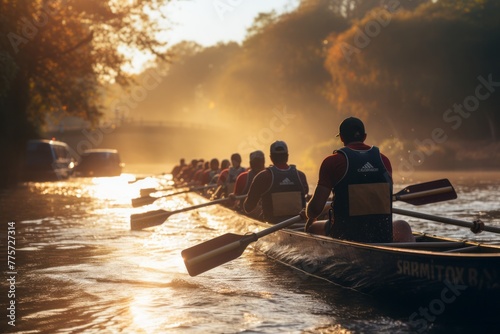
<point x="140" y="221"/>
<point x="227" y="247"/>
<point x="141" y="201"/>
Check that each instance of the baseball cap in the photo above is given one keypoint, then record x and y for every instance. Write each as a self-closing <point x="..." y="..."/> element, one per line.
<point x="351" y="127"/>
<point x="279" y="147"/>
<point x="256" y="155"/>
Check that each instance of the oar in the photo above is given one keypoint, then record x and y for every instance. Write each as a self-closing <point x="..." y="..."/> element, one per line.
<point x="140" y="221"/>
<point x="476" y="226"/>
<point x="227" y="247"/>
<point x="427" y="192"/>
<point x="141" y="201"/>
<point x="147" y="191"/>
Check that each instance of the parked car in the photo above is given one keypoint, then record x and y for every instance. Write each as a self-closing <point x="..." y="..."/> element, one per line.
<point x="99" y="162"/>
<point x="47" y="160"/>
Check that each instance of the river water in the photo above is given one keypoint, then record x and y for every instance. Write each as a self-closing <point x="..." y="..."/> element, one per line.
<point x="79" y="269"/>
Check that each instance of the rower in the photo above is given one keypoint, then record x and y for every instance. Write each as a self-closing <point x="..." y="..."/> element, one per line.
<point x="281" y="187"/>
<point x="244" y="180"/>
<point x="227" y="178"/>
<point x="360" y="178"/>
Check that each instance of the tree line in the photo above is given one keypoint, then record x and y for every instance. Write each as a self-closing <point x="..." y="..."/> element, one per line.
<point x="422" y="74"/>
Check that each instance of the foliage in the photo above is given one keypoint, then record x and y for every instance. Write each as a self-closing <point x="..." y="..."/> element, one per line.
<point x="54" y="54"/>
<point x="62" y="49"/>
<point x="279" y="65"/>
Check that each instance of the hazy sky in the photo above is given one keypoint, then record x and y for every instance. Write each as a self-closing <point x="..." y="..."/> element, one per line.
<point x="210" y="21"/>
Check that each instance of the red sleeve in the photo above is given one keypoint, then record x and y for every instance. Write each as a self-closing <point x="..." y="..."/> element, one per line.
<point x="205" y="177"/>
<point x="241" y="181"/>
<point x="223" y="176"/>
<point x="332" y="170"/>
<point x="259" y="186"/>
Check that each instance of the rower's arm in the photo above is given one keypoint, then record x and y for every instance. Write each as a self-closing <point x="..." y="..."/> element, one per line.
<point x="259" y="186"/>
<point x="317" y="203"/>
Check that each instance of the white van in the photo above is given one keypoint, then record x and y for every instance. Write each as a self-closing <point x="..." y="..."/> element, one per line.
<point x="47" y="160"/>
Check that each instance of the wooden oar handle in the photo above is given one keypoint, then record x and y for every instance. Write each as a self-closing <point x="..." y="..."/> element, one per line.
<point x="445" y="220"/>
<point x="201" y="205"/>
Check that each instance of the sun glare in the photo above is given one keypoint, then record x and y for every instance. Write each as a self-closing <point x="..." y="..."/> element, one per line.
<point x="138" y="61"/>
<point x="114" y="188"/>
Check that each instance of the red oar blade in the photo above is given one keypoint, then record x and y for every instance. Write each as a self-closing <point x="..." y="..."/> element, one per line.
<point x="140" y="221"/>
<point x="215" y="252"/>
<point x="427" y="192"/>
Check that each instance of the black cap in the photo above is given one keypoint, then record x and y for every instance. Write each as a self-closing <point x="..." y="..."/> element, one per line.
<point x="351" y="128"/>
<point x="279" y="147"/>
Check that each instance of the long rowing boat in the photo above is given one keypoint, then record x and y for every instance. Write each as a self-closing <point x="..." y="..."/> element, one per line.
<point x="439" y="271"/>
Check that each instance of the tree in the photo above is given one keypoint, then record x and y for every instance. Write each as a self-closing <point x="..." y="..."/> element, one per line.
<point x="280" y="65"/>
<point x="413" y="66"/>
<point x="55" y="54"/>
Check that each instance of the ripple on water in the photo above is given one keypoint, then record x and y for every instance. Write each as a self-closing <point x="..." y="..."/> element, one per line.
<point x="84" y="271"/>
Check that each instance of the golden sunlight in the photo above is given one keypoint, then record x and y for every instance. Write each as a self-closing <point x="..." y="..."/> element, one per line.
<point x="113" y="188"/>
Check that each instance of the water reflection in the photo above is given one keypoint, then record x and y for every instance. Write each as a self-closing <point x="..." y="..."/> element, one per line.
<point x="81" y="269"/>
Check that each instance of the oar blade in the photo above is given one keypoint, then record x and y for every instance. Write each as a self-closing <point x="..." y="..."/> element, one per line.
<point x="215" y="252"/>
<point x="427" y="192"/>
<point x="144" y="220"/>
<point x="141" y="201"/>
<point x="147" y="191"/>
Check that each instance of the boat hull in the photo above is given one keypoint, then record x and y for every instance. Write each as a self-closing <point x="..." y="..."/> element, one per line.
<point x="433" y="278"/>
<point x="387" y="271"/>
<point x="434" y="268"/>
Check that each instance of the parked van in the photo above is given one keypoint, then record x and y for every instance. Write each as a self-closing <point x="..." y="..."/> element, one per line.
<point x="47" y="160"/>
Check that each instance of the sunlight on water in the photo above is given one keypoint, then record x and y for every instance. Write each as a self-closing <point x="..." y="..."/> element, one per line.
<point x="83" y="270"/>
<point x="141" y="317"/>
<point x="114" y="188"/>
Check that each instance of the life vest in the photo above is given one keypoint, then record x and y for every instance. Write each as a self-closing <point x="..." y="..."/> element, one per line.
<point x="212" y="176"/>
<point x="232" y="175"/>
<point x="250" y="176"/>
<point x="285" y="197"/>
<point x="362" y="204"/>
